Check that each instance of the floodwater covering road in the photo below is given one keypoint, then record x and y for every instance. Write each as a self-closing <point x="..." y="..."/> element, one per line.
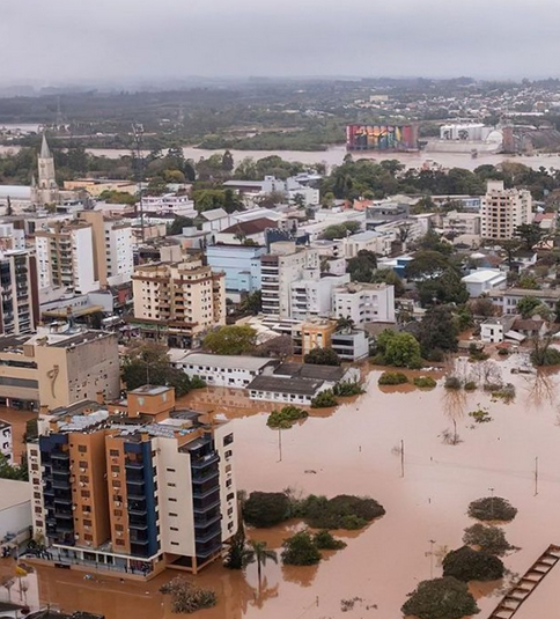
<point x="356" y="449"/>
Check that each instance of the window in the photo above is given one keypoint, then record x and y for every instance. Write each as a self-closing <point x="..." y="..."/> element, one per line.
<point x="175" y="543"/>
<point x="114" y="452"/>
<point x="85" y="494"/>
<point x="83" y="464"/>
<point x="229" y="483"/>
<point x="119" y="542"/>
<point x="115" y="468"/>
<point x="228" y="439"/>
<point x="172" y="499"/>
<point x="88" y="537"/>
<point x="82" y="449"/>
<point x="229" y="454"/>
<point x="174" y="529"/>
<point x="118" y="513"/>
<point x="37" y="495"/>
<point x="87" y="522"/>
<point x="173" y="514"/>
<point x="171" y="484"/>
<point x="119" y="527"/>
<point x="170" y="470"/>
<point x="230" y="497"/>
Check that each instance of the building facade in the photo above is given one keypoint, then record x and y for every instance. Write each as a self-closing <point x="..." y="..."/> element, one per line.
<point x="365" y="303"/>
<point x="45" y="191"/>
<point x="57" y="369"/>
<point x="112" y="248"/>
<point x="6" y="441"/>
<point x="175" y="302"/>
<point x="502" y="210"/>
<point x="240" y="264"/>
<point x="311" y="296"/>
<point x="65" y="257"/>
<point x="134" y="489"/>
<point x="19" y="292"/>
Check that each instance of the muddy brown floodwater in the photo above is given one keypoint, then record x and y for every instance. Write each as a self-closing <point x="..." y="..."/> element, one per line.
<point x="355" y="449"/>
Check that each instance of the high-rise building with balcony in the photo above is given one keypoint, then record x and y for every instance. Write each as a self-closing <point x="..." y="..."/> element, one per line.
<point x="502" y="210"/>
<point x="19" y="293"/>
<point x="65" y="257"/>
<point x="365" y="303"/>
<point x="175" y="302"/>
<point x="134" y="487"/>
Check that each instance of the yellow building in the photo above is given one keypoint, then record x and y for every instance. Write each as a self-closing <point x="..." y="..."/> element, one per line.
<point x="175" y="302"/>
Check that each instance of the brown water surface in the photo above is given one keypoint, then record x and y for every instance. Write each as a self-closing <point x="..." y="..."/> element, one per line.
<point x="356" y="449"/>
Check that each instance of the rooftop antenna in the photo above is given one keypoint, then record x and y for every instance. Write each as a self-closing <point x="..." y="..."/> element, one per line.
<point x="138" y="132"/>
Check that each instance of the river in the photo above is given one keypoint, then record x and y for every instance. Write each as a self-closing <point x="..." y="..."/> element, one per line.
<point x="334" y="156"/>
<point x="354" y="449"/>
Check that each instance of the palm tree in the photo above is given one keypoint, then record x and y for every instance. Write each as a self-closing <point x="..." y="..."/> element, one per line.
<point x="260" y="554"/>
<point x="345" y="324"/>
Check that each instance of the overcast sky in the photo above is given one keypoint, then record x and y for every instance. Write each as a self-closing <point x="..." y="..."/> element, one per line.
<point x="89" y="40"/>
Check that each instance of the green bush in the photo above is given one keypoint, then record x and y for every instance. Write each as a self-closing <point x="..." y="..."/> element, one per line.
<point x="286" y="417"/>
<point x="487" y="538"/>
<point x="452" y="383"/>
<point x="480" y="416"/>
<point x="345" y="512"/>
<point x="546" y="357"/>
<point x="197" y="383"/>
<point x="425" y="382"/>
<point x="300" y="550"/>
<point x="446" y="597"/>
<point x="392" y="378"/>
<point x="507" y="392"/>
<point x="325" y="540"/>
<point x="266" y="509"/>
<point x="492" y="509"/>
<point x="470" y="386"/>
<point x="186" y="597"/>
<point x="503" y="351"/>
<point x="348" y="388"/>
<point x="326" y="398"/>
<point x="468" y="565"/>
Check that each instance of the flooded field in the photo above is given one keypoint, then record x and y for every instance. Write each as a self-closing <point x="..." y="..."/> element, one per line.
<point x="356" y="449"/>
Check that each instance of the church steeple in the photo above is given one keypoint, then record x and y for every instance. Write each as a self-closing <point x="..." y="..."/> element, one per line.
<point x="45" y="150"/>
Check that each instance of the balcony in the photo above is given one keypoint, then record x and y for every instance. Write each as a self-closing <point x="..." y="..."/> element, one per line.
<point x="205" y="461"/>
<point x="138" y="511"/>
<point x="203" y="523"/>
<point x="200" y="476"/>
<point x="135" y="481"/>
<point x="134" y="465"/>
<point x="205" y="506"/>
<point x="134" y="495"/>
<point x="206" y="537"/>
<point x="61" y="484"/>
<point x="138" y="526"/>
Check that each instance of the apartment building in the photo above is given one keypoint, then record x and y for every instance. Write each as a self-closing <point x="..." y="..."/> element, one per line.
<point x="459" y="223"/>
<point x="285" y="264"/>
<point x="58" y="368"/>
<point x="241" y="265"/>
<point x="112" y="248"/>
<point x="311" y="296"/>
<point x="365" y="303"/>
<point x="65" y="257"/>
<point x="6" y="442"/>
<point x="502" y="210"/>
<point x="175" y="302"/>
<point x="134" y="488"/>
<point x="507" y="299"/>
<point x="19" y="292"/>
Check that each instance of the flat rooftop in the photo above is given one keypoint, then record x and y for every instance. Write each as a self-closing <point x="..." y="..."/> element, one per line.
<point x="151" y="390"/>
<point x="244" y="362"/>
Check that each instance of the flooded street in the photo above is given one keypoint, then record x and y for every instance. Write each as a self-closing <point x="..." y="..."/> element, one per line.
<point x="355" y="450"/>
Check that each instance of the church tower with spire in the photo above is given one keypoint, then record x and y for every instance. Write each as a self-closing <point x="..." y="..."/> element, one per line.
<point x="45" y="191"/>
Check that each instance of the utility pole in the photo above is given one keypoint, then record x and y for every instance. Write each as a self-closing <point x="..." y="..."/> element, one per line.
<point x="491" y="489"/>
<point x="432" y="543"/>
<point x="536" y="476"/>
<point x="402" y="458"/>
<point x="280" y="445"/>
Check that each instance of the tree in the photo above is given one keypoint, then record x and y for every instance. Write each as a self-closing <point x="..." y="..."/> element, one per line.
<point x="510" y="247"/>
<point x="339" y="231"/>
<point x="388" y="276"/>
<point x="492" y="509"/>
<point x="466" y="564"/>
<point x="345" y="324"/>
<point x="147" y="362"/>
<point x="437" y="331"/>
<point x="432" y="242"/>
<point x="231" y="340"/>
<point x="13" y="472"/>
<point x="342" y="512"/>
<point x="529" y="281"/>
<point x="252" y="303"/>
<point x="186" y="597"/>
<point x="530" y="234"/>
<point x="300" y="550"/>
<point x="179" y="222"/>
<point x="526" y="306"/>
<point x="362" y="266"/>
<point x="238" y="555"/>
<point x="227" y="161"/>
<point x="260" y="554"/>
<point x="266" y="509"/>
<point x="482" y="306"/>
<point x="326" y="398"/>
<point x="426" y="264"/>
<point x="488" y="538"/>
<point x="446" y="597"/>
<point x="399" y="349"/>
<point x="324" y="357"/>
<point x="448" y="288"/>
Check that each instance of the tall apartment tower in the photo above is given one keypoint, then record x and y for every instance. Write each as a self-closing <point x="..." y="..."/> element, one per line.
<point x="177" y="301"/>
<point x="19" y="293"/>
<point x="134" y="488"/>
<point x="502" y="210"/>
<point x="112" y="242"/>
<point x="279" y="270"/>
<point x="45" y="191"/>
<point x="65" y="257"/>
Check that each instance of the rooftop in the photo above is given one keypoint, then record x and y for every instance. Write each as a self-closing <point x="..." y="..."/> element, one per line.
<point x="272" y="383"/>
<point x="151" y="390"/>
<point x="309" y="371"/>
<point x="225" y="361"/>
<point x="483" y="275"/>
<point x="251" y="227"/>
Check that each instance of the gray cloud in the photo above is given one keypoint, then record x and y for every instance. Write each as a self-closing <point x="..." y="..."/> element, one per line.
<point x="92" y="40"/>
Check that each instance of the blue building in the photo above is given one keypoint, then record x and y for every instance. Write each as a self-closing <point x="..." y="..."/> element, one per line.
<point x="240" y="263"/>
